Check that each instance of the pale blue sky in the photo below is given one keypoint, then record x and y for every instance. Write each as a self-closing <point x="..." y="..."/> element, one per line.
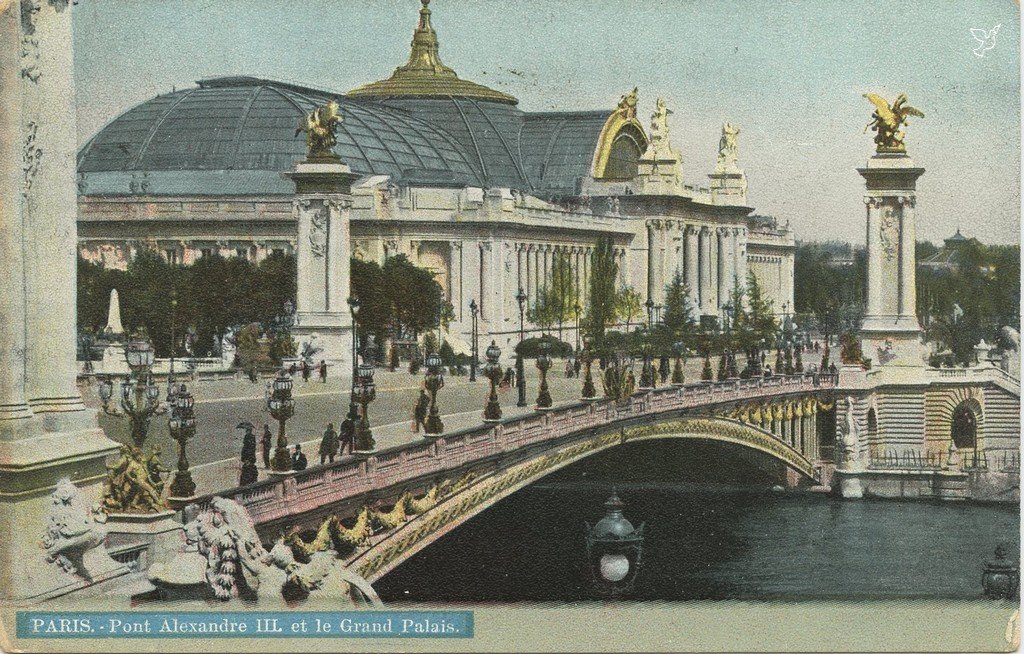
<point x="790" y="74"/>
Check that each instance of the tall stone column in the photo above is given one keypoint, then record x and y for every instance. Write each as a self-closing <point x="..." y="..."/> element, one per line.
<point x="487" y="280"/>
<point x="531" y="273"/>
<point x="14" y="410"/>
<point x="723" y="278"/>
<point x="691" y="260"/>
<point x="707" y="290"/>
<point x="740" y="236"/>
<point x="471" y="272"/>
<point x="455" y="295"/>
<point x="890" y="332"/>
<point x="46" y="433"/>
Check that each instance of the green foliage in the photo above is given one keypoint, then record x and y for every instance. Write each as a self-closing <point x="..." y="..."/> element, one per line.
<point x="828" y="287"/>
<point x="602" y="296"/>
<point x="210" y="296"/>
<point x="557" y="299"/>
<point x="706" y="373"/>
<point x="530" y="347"/>
<point x="430" y="342"/>
<point x="251" y="352"/>
<point x="627" y="305"/>
<point x="397" y="299"/>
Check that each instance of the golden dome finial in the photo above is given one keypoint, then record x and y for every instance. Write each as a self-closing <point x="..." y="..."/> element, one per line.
<point x="424" y="46"/>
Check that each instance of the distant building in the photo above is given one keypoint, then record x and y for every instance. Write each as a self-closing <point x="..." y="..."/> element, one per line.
<point x="454" y="175"/>
<point x="949" y="257"/>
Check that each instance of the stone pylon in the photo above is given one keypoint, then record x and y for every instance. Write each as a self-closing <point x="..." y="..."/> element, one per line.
<point x="891" y="334"/>
<point x="46" y="433"/>
<point x="322" y="207"/>
<point x="114" y="327"/>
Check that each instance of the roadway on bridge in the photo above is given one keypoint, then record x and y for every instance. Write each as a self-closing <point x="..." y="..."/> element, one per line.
<point x="222" y="404"/>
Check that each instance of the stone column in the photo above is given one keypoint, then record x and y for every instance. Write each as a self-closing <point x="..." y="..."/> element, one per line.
<point x="691" y="258"/>
<point x="907" y="259"/>
<point x="14" y="409"/>
<point x="471" y="272"/>
<point x="487" y="273"/>
<point x="50" y="206"/>
<point x="455" y="295"/>
<point x="874" y="272"/>
<point x="707" y="294"/>
<point x="723" y="278"/>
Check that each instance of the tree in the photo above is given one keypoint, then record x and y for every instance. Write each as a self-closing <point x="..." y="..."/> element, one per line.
<point x="556" y="301"/>
<point x="759" y="315"/>
<point x="601" y="307"/>
<point x="627" y="305"/>
<point x="678" y="317"/>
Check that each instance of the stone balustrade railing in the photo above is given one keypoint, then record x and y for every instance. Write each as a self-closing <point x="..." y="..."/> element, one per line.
<point x="315" y="487"/>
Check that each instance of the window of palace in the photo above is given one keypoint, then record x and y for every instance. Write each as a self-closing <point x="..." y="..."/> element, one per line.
<point x="964" y="429"/>
<point x="622" y="161"/>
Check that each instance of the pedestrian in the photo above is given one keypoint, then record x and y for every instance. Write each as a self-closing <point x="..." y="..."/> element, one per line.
<point x="323" y="372"/>
<point x="663" y="366"/>
<point x="267" y="445"/>
<point x="249" y="473"/>
<point x="348" y="435"/>
<point x="305" y="371"/>
<point x="576" y="366"/>
<point x="292" y="369"/>
<point x="831" y="368"/>
<point x="568" y="369"/>
<point x="420" y="412"/>
<point x="329" y="444"/>
<point x="253" y="376"/>
<point x="767" y="371"/>
<point x="298" y="459"/>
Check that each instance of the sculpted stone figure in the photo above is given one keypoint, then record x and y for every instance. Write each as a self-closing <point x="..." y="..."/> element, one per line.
<point x="321" y="126"/>
<point x="72" y="531"/>
<point x="848" y="438"/>
<point x="659" y="146"/>
<point x="627" y="104"/>
<point x="887" y="120"/>
<point x="222" y="542"/>
<point x="728" y="151"/>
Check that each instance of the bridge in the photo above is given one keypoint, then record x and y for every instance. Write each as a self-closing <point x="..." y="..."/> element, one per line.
<point x="402" y="499"/>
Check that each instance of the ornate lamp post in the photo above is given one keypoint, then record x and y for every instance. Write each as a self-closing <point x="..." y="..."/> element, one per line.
<point x="140" y="396"/>
<point x="364" y="393"/>
<point x="282" y="407"/>
<point x="474" y="310"/>
<point x="647" y="372"/>
<point x="172" y="386"/>
<point x="434" y="382"/>
<point x="544" y="364"/>
<point x="182" y="425"/>
<point x="353" y="411"/>
<point x="587" y="358"/>
<point x="650" y="312"/>
<point x="677" y="370"/>
<point x="520" y="368"/>
<point x="492" y="370"/>
<point x="578" y="310"/>
<point x="614" y="551"/>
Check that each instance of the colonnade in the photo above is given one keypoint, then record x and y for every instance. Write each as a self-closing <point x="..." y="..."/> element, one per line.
<point x="711" y="259"/>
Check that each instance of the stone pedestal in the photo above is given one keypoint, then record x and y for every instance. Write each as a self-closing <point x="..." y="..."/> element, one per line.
<point x="890" y="334"/>
<point x="728" y="186"/>
<point x="322" y="208"/>
<point x="155" y="537"/>
<point x="660" y="174"/>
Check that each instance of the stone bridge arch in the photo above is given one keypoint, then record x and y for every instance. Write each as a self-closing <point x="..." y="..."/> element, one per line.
<point x="389" y="550"/>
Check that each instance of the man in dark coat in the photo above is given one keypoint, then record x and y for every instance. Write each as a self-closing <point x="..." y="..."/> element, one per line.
<point x="329" y="445"/>
<point x="347" y="435"/>
<point x="305" y="371"/>
<point x="268" y="445"/>
<point x="249" y="474"/>
<point x="298" y="459"/>
<point x="420" y="412"/>
<point x="323" y="372"/>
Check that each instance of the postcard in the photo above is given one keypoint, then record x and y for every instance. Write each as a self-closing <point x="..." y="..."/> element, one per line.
<point x="437" y="325"/>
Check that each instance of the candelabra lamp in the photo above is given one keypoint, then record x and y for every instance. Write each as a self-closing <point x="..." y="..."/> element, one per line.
<point x="544" y="364"/>
<point x="140" y="396"/>
<point x="365" y="392"/>
<point x="647" y="372"/>
<point x="587" y="358"/>
<point x="282" y="407"/>
<point x="182" y="426"/>
<point x="492" y="370"/>
<point x="434" y="381"/>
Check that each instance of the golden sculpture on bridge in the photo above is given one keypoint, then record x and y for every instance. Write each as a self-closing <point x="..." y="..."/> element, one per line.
<point x="321" y="127"/>
<point x="887" y="120"/>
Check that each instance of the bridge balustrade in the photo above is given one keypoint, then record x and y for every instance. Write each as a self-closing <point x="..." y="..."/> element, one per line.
<point x="310" y="489"/>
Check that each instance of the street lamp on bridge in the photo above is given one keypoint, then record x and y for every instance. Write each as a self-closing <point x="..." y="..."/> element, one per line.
<point x="650" y="312"/>
<point x="353" y="411"/>
<point x="520" y="368"/>
<point x="281" y="407"/>
<point x="544" y="364"/>
<point x="434" y="382"/>
<point x="492" y="370"/>
<point x="364" y="393"/>
<point x="473" y="310"/>
<point x="182" y="426"/>
<point x="578" y="309"/>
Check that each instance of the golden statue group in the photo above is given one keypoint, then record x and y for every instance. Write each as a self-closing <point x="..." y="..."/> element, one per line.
<point x="887" y="120"/>
<point x="320" y="126"/>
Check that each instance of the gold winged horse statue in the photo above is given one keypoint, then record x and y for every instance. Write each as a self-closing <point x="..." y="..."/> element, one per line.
<point x="887" y="120"/>
<point x="320" y="126"/>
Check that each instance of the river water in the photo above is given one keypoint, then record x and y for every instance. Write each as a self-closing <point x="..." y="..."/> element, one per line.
<point x="715" y="530"/>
